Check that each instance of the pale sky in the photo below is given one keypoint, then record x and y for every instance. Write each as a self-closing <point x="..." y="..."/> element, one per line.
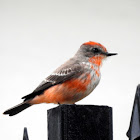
<point x="38" y="36"/>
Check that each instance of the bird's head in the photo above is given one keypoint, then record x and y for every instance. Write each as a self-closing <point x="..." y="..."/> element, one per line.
<point x="94" y="52"/>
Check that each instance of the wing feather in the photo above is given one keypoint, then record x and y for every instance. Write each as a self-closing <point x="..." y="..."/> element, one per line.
<point x="61" y="75"/>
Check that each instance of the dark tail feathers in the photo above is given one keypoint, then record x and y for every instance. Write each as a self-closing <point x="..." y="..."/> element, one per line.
<point x="17" y="109"/>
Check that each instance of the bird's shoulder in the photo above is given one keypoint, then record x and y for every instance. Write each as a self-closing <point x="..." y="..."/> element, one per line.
<point x="68" y="70"/>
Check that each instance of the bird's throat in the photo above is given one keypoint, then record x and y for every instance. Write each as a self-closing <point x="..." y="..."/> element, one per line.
<point x="96" y="60"/>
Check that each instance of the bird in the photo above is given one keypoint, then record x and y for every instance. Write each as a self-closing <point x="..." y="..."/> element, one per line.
<point x="71" y="82"/>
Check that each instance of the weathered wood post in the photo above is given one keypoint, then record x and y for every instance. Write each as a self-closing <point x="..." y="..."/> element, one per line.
<point x="80" y="122"/>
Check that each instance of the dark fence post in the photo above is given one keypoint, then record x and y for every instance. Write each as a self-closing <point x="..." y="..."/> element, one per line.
<point x="134" y="128"/>
<point x="25" y="134"/>
<point x="80" y="122"/>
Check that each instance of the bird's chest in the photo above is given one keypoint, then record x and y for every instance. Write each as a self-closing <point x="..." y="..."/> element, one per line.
<point x="95" y="75"/>
<point x="94" y="82"/>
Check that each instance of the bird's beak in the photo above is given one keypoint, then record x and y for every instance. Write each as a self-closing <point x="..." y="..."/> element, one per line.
<point x="110" y="54"/>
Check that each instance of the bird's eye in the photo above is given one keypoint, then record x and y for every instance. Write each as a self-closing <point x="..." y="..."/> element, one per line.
<point x="95" y="50"/>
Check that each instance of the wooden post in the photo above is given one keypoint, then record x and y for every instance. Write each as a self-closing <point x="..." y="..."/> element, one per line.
<point x="80" y="122"/>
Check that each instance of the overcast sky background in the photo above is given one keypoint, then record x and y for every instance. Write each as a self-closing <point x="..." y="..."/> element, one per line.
<point x="36" y="36"/>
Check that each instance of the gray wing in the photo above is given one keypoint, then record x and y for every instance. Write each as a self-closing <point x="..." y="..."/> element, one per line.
<point x="62" y="74"/>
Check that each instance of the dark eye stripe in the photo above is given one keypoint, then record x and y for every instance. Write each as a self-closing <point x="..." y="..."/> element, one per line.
<point x="96" y="50"/>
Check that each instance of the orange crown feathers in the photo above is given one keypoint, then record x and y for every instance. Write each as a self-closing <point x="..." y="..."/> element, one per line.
<point x="95" y="43"/>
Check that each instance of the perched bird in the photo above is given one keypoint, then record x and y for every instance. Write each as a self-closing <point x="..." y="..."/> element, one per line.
<point x="71" y="82"/>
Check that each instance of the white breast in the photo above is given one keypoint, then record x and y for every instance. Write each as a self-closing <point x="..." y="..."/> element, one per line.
<point x="94" y="78"/>
<point x="94" y="82"/>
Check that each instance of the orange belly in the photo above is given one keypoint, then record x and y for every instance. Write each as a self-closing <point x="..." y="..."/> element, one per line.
<point x="66" y="93"/>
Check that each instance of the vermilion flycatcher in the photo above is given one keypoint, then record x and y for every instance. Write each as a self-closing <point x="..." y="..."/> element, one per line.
<point x="71" y="82"/>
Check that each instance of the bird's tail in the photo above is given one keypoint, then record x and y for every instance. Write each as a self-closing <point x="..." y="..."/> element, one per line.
<point x="17" y="109"/>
